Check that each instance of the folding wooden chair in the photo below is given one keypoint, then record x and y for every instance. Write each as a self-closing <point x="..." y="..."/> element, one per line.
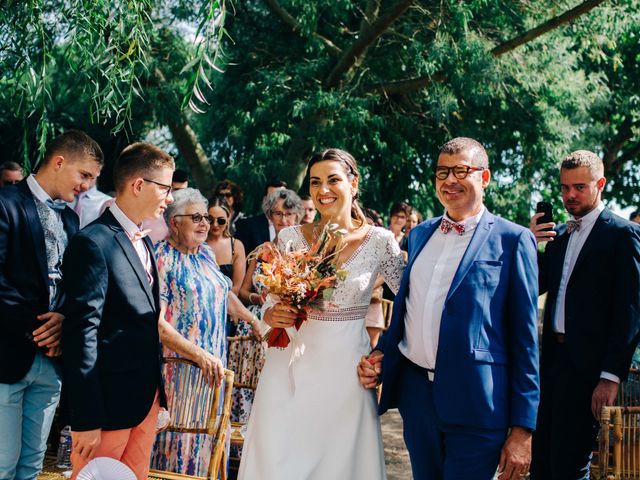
<point x="197" y="407"/>
<point x="619" y="449"/>
<point x="246" y="359"/>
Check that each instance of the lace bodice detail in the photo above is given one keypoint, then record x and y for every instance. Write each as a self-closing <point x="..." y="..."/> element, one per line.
<point x="379" y="253"/>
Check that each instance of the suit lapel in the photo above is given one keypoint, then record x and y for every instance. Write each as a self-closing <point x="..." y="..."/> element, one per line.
<point x="136" y="264"/>
<point x="594" y="237"/>
<point x="478" y="240"/>
<point x="154" y="273"/>
<point x="35" y="229"/>
<point x="70" y="222"/>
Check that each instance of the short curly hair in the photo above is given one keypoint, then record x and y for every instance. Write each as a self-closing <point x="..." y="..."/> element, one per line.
<point x="584" y="158"/>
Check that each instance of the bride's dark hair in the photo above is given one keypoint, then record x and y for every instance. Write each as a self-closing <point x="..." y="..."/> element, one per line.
<point x="351" y="169"/>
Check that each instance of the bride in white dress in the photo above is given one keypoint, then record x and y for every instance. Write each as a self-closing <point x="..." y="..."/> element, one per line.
<point x="311" y="418"/>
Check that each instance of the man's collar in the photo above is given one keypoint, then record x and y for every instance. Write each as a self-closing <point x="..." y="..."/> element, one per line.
<point x="129" y="226"/>
<point x="471" y="222"/>
<point x="37" y="190"/>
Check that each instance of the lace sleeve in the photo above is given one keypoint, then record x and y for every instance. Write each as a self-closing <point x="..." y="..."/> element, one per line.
<point x="391" y="261"/>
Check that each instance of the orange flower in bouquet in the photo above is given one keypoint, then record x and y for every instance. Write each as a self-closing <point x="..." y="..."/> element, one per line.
<point x="303" y="279"/>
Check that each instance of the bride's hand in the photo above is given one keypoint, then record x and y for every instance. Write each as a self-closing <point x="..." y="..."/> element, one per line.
<point x="280" y="316"/>
<point x="369" y="369"/>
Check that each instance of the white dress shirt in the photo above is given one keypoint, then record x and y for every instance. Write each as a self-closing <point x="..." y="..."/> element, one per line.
<point x="131" y="229"/>
<point x="577" y="238"/>
<point x="430" y="281"/>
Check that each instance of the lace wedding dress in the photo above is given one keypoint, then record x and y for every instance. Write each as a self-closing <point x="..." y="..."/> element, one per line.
<point x="311" y="418"/>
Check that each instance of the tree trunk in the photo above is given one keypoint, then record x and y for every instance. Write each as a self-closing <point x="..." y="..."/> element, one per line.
<point x="193" y="153"/>
<point x="300" y="149"/>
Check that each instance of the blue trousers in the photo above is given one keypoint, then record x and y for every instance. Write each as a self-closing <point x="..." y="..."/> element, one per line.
<point x="26" y="412"/>
<point x="441" y="451"/>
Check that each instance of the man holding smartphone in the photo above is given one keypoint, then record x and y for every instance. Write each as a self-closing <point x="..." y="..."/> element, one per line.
<point x="590" y="270"/>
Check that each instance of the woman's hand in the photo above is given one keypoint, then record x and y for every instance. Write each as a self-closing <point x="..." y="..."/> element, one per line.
<point x="281" y="316"/>
<point x="255" y="328"/>
<point x="211" y="367"/>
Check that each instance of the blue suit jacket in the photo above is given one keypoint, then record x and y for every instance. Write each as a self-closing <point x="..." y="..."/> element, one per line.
<point x="24" y="291"/>
<point x="487" y="361"/>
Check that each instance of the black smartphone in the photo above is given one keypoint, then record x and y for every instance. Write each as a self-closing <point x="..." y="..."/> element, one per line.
<point x="547" y="209"/>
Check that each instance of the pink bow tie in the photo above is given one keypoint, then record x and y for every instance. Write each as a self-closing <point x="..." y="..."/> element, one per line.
<point x="140" y="234"/>
<point x="446" y="226"/>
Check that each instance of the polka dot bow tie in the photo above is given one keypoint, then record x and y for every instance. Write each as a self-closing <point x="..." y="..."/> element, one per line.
<point x="446" y="226"/>
<point x="574" y="225"/>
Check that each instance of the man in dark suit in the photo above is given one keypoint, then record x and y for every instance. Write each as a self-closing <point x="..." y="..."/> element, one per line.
<point x="256" y="230"/>
<point x="112" y="355"/>
<point x="35" y="226"/>
<point x="461" y="354"/>
<point x="590" y="270"/>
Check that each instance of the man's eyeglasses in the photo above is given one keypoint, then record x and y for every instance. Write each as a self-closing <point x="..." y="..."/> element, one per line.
<point x="459" y="171"/>
<point x="281" y="215"/>
<point x="198" y="217"/>
<point x="167" y="189"/>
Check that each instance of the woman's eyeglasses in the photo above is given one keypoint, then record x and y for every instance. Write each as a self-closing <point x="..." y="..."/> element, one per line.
<point x="281" y="215"/>
<point x="226" y="194"/>
<point x="198" y="217"/>
<point x="219" y="220"/>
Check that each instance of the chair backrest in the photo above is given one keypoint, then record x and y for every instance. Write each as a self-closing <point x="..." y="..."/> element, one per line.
<point x="387" y="311"/>
<point x="194" y="405"/>
<point x="619" y="450"/>
<point x="629" y="392"/>
<point x="246" y="359"/>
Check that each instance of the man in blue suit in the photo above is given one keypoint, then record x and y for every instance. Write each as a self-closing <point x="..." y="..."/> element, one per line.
<point x="35" y="227"/>
<point x="461" y="355"/>
<point x="590" y="271"/>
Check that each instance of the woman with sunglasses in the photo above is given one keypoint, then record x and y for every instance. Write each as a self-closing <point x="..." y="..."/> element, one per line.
<point x="229" y="251"/>
<point x="234" y="196"/>
<point x="194" y="300"/>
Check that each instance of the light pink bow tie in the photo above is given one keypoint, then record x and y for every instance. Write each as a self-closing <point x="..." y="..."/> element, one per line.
<point x="140" y="234"/>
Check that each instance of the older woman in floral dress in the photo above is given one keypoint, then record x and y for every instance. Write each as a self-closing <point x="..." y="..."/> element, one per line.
<point x="195" y="297"/>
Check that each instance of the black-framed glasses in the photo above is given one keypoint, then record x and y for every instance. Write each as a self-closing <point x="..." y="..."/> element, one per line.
<point x="167" y="189"/>
<point x="198" y="217"/>
<point x="459" y="171"/>
<point x="219" y="220"/>
<point x="226" y="194"/>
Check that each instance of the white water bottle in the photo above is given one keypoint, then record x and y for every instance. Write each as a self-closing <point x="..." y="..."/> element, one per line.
<point x="64" y="449"/>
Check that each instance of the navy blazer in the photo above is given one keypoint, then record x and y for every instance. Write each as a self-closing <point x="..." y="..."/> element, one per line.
<point x="602" y="299"/>
<point x="24" y="291"/>
<point x="486" y="371"/>
<point x="110" y="336"/>
<point x="252" y="232"/>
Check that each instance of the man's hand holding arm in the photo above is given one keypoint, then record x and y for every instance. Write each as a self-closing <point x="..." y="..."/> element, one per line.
<point x="370" y="368"/>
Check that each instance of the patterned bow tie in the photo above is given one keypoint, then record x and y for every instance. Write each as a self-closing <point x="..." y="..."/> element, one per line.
<point x="55" y="205"/>
<point x="446" y="226"/>
<point x="140" y="234"/>
<point x="574" y="225"/>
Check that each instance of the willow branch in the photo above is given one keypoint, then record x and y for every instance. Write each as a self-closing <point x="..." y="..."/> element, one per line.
<point x="295" y="27"/>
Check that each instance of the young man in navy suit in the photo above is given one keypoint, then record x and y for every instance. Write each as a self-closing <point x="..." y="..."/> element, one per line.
<point x="112" y="348"/>
<point x="461" y="354"/>
<point x="590" y="270"/>
<point x="35" y="227"/>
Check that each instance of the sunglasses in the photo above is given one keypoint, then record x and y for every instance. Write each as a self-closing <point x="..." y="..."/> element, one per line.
<point x="226" y="194"/>
<point x="198" y="217"/>
<point x="219" y="220"/>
